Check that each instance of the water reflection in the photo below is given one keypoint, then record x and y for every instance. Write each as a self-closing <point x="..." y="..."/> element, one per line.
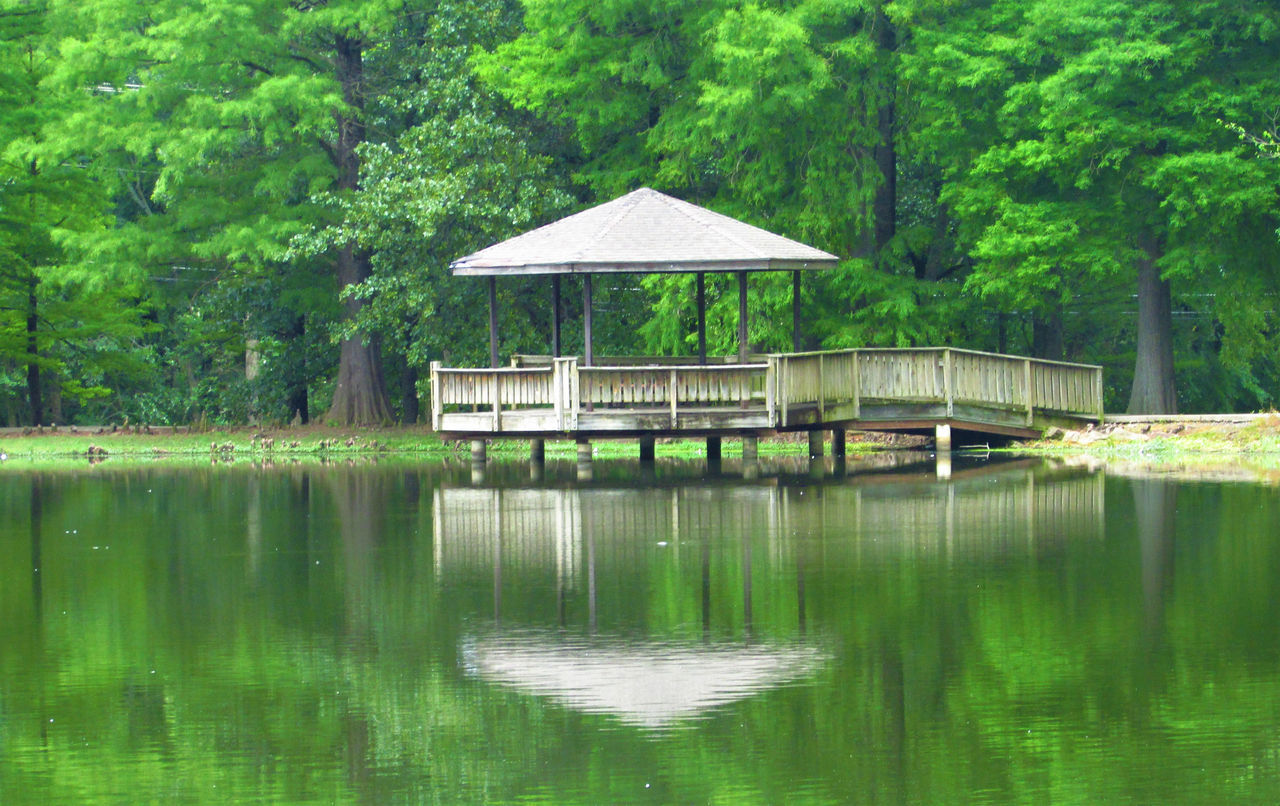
<point x="1017" y="631"/>
<point x="647" y="683"/>
<point x="989" y="510"/>
<point x="552" y="542"/>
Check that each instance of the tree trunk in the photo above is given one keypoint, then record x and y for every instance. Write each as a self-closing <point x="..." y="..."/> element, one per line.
<point x="1046" y="334"/>
<point x="1153" y="383"/>
<point x="885" y="206"/>
<point x="33" y="354"/>
<point x="360" y="398"/>
<point x="299" y="405"/>
<point x="408" y="394"/>
<point x="1155" y="506"/>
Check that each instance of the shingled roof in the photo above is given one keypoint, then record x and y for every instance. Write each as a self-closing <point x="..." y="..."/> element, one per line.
<point x="647" y="232"/>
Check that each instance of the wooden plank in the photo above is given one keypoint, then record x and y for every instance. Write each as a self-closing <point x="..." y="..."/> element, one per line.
<point x="1030" y="401"/>
<point x="788" y="390"/>
<point x="497" y="406"/>
<point x="672" y="393"/>
<point x="857" y="383"/>
<point x="437" y="406"/>
<point x="948" y="392"/>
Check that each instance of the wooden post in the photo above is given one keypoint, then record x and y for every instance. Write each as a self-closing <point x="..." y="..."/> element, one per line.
<point x="437" y="406"/>
<point x="493" y="322"/>
<point x="555" y="316"/>
<point x="702" y="318"/>
<point x="1097" y="393"/>
<point x="575" y="392"/>
<point x="942" y="437"/>
<point x="838" y="444"/>
<point x="750" y="447"/>
<point x="947" y="387"/>
<point x="558" y="396"/>
<point x="857" y="384"/>
<point x="784" y="393"/>
<point x="771" y="389"/>
<point x="537" y="451"/>
<point x="587" y="354"/>
<point x="646" y="449"/>
<point x="478" y="450"/>
<point x="795" y="311"/>
<point x="742" y="317"/>
<point x="1026" y="374"/>
<point x="671" y="393"/>
<point x="497" y="403"/>
<point x="584" y="451"/>
<point x="815" y="444"/>
<point x="713" y="449"/>
<point x="822" y="391"/>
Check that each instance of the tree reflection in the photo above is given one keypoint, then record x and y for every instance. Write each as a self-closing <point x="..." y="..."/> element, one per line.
<point x="328" y="635"/>
<point x="1155" y="504"/>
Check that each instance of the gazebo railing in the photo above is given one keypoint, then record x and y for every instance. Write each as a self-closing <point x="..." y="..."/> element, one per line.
<point x="568" y="389"/>
<point x="837" y="384"/>
<point x="543" y="360"/>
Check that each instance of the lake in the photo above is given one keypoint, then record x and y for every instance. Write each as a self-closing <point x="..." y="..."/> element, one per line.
<point x="1020" y="630"/>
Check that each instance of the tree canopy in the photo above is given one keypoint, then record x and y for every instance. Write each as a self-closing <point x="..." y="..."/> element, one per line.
<point x="245" y="210"/>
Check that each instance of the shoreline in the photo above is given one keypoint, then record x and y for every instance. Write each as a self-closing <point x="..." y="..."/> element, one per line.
<point x="1212" y="439"/>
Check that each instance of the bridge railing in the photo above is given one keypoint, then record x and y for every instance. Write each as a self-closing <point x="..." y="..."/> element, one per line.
<point x="783" y="384"/>
<point x="934" y="374"/>
<point x="676" y="385"/>
<point x="569" y="389"/>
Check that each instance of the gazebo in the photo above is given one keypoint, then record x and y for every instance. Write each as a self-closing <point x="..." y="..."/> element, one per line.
<point x="643" y="232"/>
<point x="919" y="389"/>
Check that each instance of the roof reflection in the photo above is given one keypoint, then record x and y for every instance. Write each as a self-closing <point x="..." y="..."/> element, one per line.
<point x="650" y="684"/>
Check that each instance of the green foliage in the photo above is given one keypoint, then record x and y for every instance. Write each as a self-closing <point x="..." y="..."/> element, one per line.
<point x="1088" y="140"/>
<point x="180" y="181"/>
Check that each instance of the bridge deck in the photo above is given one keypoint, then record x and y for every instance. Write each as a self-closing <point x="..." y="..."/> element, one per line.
<point x="869" y="389"/>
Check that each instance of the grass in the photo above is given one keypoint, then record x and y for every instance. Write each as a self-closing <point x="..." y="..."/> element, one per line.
<point x="1256" y="444"/>
<point x="323" y="442"/>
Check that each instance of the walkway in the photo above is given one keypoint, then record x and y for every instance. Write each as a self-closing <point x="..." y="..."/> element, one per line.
<point x="866" y="389"/>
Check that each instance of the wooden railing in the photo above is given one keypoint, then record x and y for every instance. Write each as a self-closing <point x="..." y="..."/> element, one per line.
<point x="732" y="383"/>
<point x="935" y="374"/>
<point x="536" y="360"/>
<point x="783" y="385"/>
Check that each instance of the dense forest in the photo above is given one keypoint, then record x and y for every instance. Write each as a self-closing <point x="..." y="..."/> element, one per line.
<point x="235" y="210"/>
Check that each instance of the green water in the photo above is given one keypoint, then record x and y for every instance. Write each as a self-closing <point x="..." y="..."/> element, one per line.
<point x="1016" y="632"/>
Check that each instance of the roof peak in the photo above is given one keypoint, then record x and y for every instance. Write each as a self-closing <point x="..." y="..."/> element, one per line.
<point x="644" y="231"/>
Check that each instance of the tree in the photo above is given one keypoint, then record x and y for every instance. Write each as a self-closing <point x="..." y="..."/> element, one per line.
<point x="1080" y="145"/>
<point x="63" y="321"/>
<point x="787" y="115"/>
<point x="242" y="113"/>
<point x="460" y="174"/>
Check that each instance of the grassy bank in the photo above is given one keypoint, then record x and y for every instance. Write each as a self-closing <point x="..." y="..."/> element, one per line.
<point x="323" y="442"/>
<point x="1256" y="442"/>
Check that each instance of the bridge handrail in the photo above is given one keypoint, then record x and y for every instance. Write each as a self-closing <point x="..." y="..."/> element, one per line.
<point x="823" y="378"/>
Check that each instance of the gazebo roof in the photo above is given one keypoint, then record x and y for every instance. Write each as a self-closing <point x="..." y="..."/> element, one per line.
<point x="646" y="232"/>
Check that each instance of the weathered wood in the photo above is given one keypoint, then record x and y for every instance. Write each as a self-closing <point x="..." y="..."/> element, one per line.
<point x="790" y="390"/>
<point x="586" y="320"/>
<point x="795" y="311"/>
<point x="702" y="317"/>
<point x="556" y="310"/>
<point x="493" y="321"/>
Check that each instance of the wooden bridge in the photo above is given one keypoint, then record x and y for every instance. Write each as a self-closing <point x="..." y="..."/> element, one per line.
<point x="916" y="390"/>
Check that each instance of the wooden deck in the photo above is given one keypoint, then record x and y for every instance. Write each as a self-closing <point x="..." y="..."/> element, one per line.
<point x="866" y="389"/>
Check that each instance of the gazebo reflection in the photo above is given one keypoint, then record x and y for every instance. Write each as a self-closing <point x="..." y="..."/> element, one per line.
<point x="741" y="558"/>
<point x="646" y="683"/>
